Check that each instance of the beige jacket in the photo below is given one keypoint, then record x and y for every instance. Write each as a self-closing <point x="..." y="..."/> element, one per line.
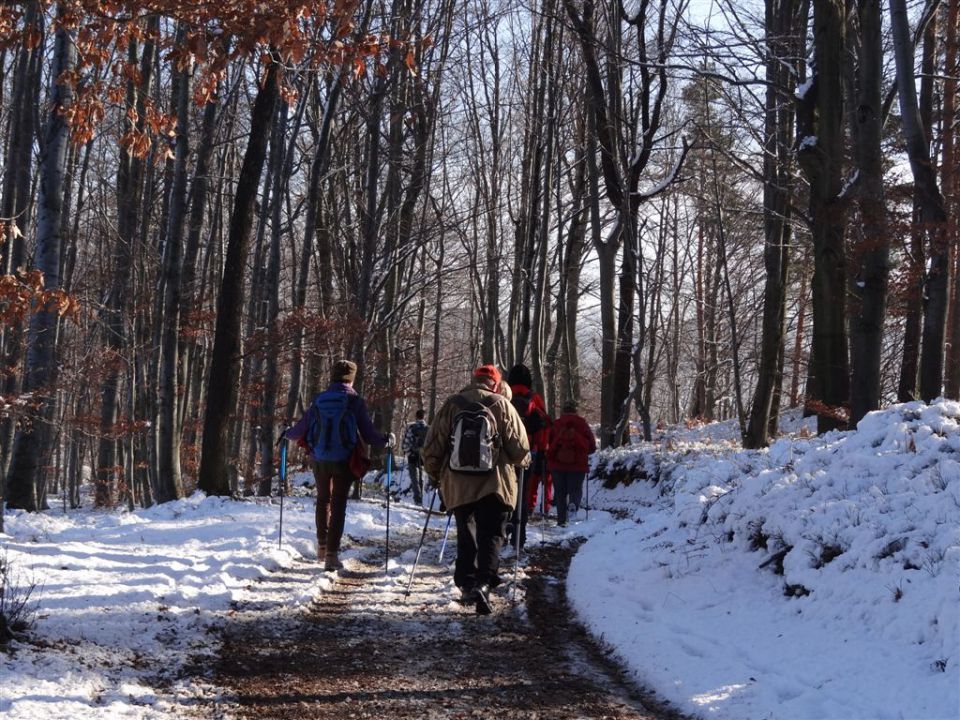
<point x="460" y="489"/>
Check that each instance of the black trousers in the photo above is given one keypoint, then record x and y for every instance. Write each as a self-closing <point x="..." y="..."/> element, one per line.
<point x="415" y="470"/>
<point x="520" y="513"/>
<point x="480" y="527"/>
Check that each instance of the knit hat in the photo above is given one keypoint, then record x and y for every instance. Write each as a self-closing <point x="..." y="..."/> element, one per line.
<point x="570" y="406"/>
<point x="343" y="371"/>
<point x="520" y="375"/>
<point x="488" y="375"/>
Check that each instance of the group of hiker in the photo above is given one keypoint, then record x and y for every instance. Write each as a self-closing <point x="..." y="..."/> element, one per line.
<point x="488" y="451"/>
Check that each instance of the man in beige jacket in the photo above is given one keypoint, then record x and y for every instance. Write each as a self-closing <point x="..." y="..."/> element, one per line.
<point x="473" y="446"/>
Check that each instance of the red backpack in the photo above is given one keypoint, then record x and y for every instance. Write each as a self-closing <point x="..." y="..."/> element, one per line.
<point x="568" y="448"/>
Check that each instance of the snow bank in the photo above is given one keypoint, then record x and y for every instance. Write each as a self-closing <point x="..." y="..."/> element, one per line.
<point x="125" y="599"/>
<point x="818" y="579"/>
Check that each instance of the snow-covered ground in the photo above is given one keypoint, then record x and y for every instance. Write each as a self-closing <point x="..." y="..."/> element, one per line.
<point x="818" y="579"/>
<point x="670" y="577"/>
<point x="125" y="600"/>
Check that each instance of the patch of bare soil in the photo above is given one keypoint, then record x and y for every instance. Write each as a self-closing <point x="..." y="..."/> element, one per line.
<point x="365" y="650"/>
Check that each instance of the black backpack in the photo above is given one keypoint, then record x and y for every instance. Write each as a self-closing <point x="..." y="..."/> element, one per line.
<point x="418" y="435"/>
<point x="533" y="419"/>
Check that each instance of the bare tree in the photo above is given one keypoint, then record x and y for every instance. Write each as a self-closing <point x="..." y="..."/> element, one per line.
<point x="932" y="214"/>
<point x="820" y="118"/>
<point x="22" y="489"/>
<point x="627" y="136"/>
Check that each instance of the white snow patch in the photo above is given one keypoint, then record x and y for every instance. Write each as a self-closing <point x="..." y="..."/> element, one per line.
<point x="677" y="589"/>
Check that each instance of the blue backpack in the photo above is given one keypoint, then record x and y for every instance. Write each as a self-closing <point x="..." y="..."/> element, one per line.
<point x="332" y="431"/>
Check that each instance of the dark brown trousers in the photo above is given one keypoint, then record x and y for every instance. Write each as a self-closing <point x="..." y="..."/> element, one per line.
<point x="333" y="486"/>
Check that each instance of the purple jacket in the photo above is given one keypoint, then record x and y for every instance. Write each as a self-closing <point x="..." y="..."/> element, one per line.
<point x="359" y="409"/>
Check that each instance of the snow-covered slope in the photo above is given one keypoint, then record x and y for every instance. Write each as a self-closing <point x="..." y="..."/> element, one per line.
<point x="818" y="579"/>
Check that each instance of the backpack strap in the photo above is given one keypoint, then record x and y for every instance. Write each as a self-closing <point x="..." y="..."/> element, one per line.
<point x="462" y="403"/>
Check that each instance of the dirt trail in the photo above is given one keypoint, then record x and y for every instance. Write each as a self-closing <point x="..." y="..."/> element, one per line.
<point x="364" y="650"/>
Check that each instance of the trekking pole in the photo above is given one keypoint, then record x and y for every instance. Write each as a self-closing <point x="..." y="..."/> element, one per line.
<point x="423" y="535"/>
<point x="518" y="529"/>
<point x="543" y="505"/>
<point x="446" y="533"/>
<point x="586" y="500"/>
<point x="386" y="554"/>
<point x="283" y="482"/>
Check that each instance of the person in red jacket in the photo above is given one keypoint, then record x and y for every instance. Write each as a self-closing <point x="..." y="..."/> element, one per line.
<point x="536" y="422"/>
<point x="571" y="443"/>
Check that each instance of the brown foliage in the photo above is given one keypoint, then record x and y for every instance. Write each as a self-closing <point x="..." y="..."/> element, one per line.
<point x="818" y="407"/>
<point x="215" y="34"/>
<point x="23" y="294"/>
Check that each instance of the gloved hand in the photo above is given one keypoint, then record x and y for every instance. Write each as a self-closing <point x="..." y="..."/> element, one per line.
<point x="391" y="441"/>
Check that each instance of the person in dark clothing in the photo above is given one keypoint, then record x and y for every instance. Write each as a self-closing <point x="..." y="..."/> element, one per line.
<point x="330" y="429"/>
<point x="412" y="442"/>
<point x="471" y="448"/>
<point x="533" y="412"/>
<point x="571" y="443"/>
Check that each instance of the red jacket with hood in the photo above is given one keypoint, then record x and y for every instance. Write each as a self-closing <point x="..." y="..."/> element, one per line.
<point x="539" y="439"/>
<point x="571" y="443"/>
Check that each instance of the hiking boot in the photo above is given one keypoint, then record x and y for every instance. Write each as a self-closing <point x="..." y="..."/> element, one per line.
<point x="332" y="562"/>
<point x="467" y="595"/>
<point x="483" y="600"/>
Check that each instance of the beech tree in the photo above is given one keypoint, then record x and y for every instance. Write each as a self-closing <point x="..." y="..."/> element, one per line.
<point x="627" y="137"/>
<point x="33" y="440"/>
<point x="932" y="214"/>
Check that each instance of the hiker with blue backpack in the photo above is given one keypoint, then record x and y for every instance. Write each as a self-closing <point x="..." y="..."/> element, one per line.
<point x="333" y="430"/>
<point x="412" y="442"/>
<point x="472" y="448"/>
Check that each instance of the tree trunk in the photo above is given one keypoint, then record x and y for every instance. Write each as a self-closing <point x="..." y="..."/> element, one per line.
<point x="549" y="69"/>
<point x="607" y="258"/>
<point x="569" y="301"/>
<point x="950" y="178"/>
<point x="778" y="129"/>
<point x="169" y="480"/>
<point x="129" y="193"/>
<point x="22" y="483"/>
<point x="313" y="227"/>
<point x="272" y="301"/>
<point x="821" y="155"/>
<point x="214" y="477"/>
<point x="930" y="202"/>
<point x="17" y="183"/>
<point x="869" y="289"/>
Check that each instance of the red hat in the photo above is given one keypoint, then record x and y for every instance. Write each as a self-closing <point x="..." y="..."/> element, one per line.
<point x="488" y="374"/>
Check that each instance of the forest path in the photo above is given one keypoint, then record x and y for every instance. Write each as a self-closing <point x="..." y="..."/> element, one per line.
<point x="365" y="650"/>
